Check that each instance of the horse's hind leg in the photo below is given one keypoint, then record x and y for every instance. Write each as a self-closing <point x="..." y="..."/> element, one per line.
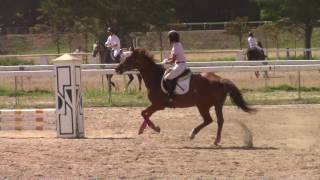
<point x="220" y="121"/>
<point x="257" y="74"/>
<point x="130" y="80"/>
<point x="205" y="113"/>
<point x="139" y="79"/>
<point x="109" y="76"/>
<point x="266" y="75"/>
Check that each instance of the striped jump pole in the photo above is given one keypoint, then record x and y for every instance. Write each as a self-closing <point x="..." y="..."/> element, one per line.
<point x="69" y="112"/>
<point x="27" y="119"/>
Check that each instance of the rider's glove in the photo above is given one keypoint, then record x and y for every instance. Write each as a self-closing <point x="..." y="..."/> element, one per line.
<point x="165" y="61"/>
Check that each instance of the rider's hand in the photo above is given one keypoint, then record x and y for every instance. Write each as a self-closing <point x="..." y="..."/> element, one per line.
<point x="165" y="61"/>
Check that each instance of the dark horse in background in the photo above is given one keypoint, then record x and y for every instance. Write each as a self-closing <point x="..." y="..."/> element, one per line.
<point x="254" y="54"/>
<point x="105" y="58"/>
<point x="206" y="90"/>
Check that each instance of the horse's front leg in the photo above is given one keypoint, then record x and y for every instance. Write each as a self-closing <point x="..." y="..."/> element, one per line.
<point x="146" y="114"/>
<point x="130" y="76"/>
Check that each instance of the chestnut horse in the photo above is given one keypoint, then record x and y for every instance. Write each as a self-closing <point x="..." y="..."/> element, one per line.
<point x="206" y="90"/>
<point x="105" y="57"/>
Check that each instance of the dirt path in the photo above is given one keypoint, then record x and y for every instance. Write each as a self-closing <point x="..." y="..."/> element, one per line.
<point x="286" y="145"/>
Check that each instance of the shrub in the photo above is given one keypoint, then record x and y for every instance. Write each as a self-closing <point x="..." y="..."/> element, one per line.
<point x="14" y="62"/>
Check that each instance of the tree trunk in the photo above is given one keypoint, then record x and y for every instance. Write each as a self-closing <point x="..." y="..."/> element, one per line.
<point x="240" y="41"/>
<point x="277" y="46"/>
<point x="70" y="38"/>
<point x="86" y="41"/>
<point x="307" y="41"/>
<point x="0" y="45"/>
<point x="58" y="42"/>
<point x="295" y="47"/>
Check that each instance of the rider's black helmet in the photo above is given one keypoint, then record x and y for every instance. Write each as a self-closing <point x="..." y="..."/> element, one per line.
<point x="173" y="36"/>
<point x="250" y="34"/>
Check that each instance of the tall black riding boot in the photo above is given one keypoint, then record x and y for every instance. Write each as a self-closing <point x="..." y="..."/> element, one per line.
<point x="170" y="89"/>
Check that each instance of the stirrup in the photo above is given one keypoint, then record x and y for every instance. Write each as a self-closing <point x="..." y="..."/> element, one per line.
<point x="170" y="103"/>
<point x="171" y="98"/>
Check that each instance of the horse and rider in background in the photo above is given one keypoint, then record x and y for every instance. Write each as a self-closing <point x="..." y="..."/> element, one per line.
<point x="255" y="51"/>
<point x="110" y="53"/>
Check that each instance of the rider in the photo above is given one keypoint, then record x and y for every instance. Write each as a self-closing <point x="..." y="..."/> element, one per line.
<point x="113" y="42"/>
<point x="176" y="57"/>
<point x="253" y="44"/>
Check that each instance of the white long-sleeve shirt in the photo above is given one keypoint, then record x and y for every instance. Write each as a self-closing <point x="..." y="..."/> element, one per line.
<point x="252" y="42"/>
<point x="177" y="50"/>
<point x="114" y="42"/>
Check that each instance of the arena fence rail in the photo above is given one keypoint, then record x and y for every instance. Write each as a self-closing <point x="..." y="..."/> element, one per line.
<point x="71" y="111"/>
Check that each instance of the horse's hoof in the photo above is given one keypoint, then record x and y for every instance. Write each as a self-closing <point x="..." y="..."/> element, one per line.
<point x="157" y="129"/>
<point x="216" y="142"/>
<point x="192" y="135"/>
<point x="140" y="131"/>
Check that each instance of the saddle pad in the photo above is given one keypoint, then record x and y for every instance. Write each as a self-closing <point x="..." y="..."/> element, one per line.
<point x="183" y="84"/>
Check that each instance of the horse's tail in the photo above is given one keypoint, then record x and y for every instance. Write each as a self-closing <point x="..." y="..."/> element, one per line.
<point x="236" y="96"/>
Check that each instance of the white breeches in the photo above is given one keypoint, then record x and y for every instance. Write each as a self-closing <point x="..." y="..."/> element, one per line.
<point x="116" y="52"/>
<point x="176" y="71"/>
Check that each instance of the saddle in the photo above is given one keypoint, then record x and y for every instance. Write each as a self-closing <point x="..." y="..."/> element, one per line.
<point x="181" y="83"/>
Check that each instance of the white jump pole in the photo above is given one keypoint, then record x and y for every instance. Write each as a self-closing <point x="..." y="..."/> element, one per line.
<point x="69" y="112"/>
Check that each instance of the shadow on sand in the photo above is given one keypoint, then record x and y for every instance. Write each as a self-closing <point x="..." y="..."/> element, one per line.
<point x="108" y="138"/>
<point x="86" y="138"/>
<point x="228" y="148"/>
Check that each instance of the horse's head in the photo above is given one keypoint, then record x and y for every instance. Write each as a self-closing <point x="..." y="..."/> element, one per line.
<point x="103" y="51"/>
<point x="127" y="62"/>
<point x="133" y="59"/>
<point x="95" y="48"/>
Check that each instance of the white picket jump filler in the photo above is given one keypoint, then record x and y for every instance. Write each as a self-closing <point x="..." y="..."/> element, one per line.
<point x="69" y="112"/>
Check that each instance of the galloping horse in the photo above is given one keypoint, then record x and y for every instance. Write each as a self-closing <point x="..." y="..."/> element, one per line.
<point x="105" y="57"/>
<point x="254" y="54"/>
<point x="206" y="90"/>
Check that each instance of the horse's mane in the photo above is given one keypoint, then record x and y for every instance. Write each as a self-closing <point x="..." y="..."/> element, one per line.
<point x="149" y="57"/>
<point x="145" y="53"/>
<point x="101" y="43"/>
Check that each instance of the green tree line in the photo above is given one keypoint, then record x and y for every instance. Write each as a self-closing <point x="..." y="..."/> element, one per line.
<point x="93" y="16"/>
<point x="301" y="15"/>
